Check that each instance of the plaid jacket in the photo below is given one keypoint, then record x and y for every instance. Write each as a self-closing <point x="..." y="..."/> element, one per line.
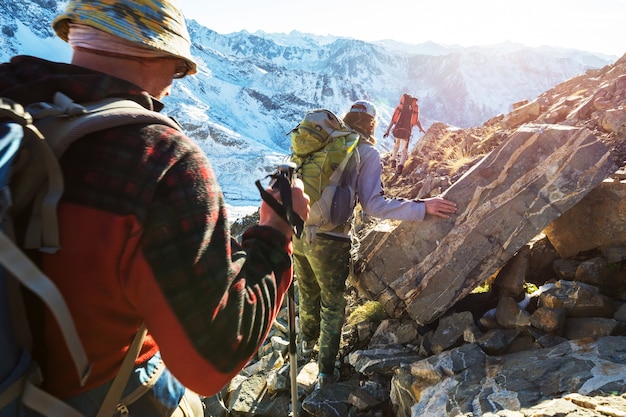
<point x="145" y="237"/>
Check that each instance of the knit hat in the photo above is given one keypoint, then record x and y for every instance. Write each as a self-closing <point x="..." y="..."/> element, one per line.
<point x="153" y="24"/>
<point x="362" y="118"/>
<point x="362" y="106"/>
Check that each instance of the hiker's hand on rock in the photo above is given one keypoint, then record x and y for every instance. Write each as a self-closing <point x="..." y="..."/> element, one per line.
<point x="440" y="207"/>
<point x="299" y="202"/>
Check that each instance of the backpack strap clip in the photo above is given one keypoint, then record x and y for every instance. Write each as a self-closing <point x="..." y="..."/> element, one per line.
<point x="15" y="112"/>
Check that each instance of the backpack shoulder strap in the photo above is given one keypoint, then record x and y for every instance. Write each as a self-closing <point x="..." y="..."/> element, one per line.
<point x="61" y="123"/>
<point x="337" y="174"/>
<point x="113" y="396"/>
<point x="396" y="115"/>
<point x="22" y="268"/>
<point x="17" y="268"/>
<point x="64" y="121"/>
<point x="414" y="114"/>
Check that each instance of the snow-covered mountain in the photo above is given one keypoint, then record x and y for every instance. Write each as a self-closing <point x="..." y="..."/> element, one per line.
<point x="251" y="89"/>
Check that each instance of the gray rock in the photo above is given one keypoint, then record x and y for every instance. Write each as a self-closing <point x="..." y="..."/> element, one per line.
<point x="504" y="201"/>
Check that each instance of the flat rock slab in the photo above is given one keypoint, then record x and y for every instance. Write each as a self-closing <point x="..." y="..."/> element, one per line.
<point x="503" y="202"/>
<point x="466" y="381"/>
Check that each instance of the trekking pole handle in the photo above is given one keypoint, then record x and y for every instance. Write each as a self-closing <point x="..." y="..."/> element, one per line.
<point x="282" y="181"/>
<point x="286" y="171"/>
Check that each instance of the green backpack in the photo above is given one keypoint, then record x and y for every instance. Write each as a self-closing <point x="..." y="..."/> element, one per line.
<point x="322" y="146"/>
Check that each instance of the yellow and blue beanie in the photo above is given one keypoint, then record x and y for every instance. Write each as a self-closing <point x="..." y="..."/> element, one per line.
<point x="153" y="24"/>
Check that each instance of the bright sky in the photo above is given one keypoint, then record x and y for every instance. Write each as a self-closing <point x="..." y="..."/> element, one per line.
<point x="595" y="26"/>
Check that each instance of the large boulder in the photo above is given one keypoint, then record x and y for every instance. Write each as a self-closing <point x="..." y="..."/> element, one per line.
<point x="532" y="178"/>
<point x="603" y="214"/>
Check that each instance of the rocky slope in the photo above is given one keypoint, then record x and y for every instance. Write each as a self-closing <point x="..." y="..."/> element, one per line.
<point x="594" y="100"/>
<point x="544" y="337"/>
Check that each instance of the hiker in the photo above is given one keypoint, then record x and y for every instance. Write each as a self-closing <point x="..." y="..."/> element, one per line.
<point x="322" y="265"/>
<point x="405" y="116"/>
<point x="143" y="224"/>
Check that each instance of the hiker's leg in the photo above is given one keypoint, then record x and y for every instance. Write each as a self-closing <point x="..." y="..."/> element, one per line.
<point x="396" y="148"/>
<point x="404" y="153"/>
<point x="308" y="292"/>
<point x="331" y="266"/>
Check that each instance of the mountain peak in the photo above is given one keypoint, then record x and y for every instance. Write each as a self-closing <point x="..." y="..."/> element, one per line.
<point x="251" y="89"/>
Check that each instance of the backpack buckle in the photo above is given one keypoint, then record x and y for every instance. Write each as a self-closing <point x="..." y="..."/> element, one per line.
<point x="14" y="111"/>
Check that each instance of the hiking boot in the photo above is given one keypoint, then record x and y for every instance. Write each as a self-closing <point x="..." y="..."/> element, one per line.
<point x="393" y="163"/>
<point x="400" y="168"/>
<point x="307" y="347"/>
<point x="325" y="379"/>
<point x="305" y="351"/>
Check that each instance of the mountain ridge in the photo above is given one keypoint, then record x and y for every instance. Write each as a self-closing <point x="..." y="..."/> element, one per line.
<point x="251" y="90"/>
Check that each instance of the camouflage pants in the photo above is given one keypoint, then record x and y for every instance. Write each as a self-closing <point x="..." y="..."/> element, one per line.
<point x="321" y="269"/>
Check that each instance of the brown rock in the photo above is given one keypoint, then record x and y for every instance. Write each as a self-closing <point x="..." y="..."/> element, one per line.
<point x="540" y="172"/>
<point x="593" y="327"/>
<point x="578" y="300"/>
<point x="548" y="319"/>
<point x="602" y="211"/>
<point x="510" y="315"/>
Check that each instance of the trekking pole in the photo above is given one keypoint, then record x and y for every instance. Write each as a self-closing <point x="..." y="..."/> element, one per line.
<point x="282" y="181"/>
<point x="293" y="350"/>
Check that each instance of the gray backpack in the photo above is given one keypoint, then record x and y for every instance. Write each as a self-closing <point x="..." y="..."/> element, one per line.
<point x="32" y="140"/>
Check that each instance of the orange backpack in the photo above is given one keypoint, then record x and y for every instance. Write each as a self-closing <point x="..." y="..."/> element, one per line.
<point x="405" y="116"/>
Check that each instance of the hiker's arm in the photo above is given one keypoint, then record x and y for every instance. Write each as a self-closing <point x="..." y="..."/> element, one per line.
<point x="371" y="193"/>
<point x="388" y="129"/>
<point x="374" y="203"/>
<point x="440" y="207"/>
<point x="300" y="204"/>
<point x="207" y="301"/>
<point x="419" y="126"/>
<point x="394" y="119"/>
